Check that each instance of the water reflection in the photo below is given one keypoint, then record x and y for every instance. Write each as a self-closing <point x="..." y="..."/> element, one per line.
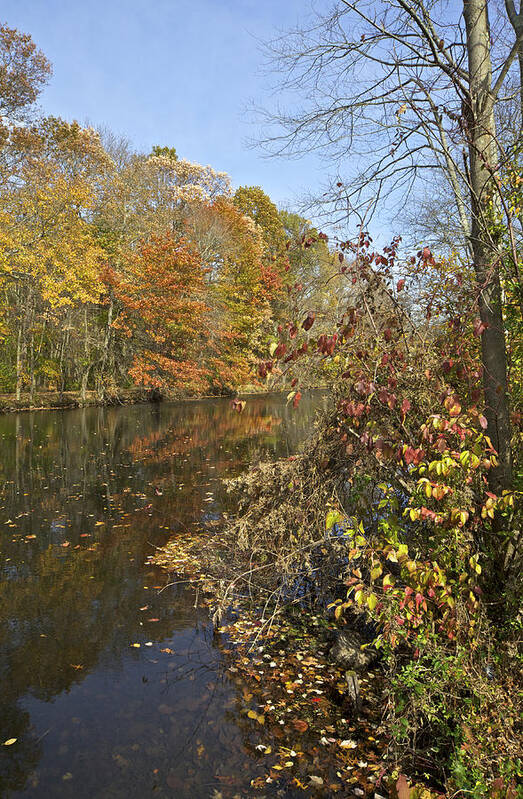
<point x="86" y="495"/>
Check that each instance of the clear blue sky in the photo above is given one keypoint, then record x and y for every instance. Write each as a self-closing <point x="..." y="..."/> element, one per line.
<point x="170" y="72"/>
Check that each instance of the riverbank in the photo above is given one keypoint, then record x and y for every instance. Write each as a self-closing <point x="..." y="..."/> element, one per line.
<point x="293" y="699"/>
<point x="294" y="695"/>
<point x="61" y="400"/>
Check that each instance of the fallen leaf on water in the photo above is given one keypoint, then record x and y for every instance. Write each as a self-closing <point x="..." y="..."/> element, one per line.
<point x="259" y="717"/>
<point x="167" y="650"/>
<point x="300" y="725"/>
<point x="10" y="741"/>
<point x="137" y="646"/>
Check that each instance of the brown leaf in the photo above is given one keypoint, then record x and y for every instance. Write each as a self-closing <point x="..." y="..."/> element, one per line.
<point x="300" y="725"/>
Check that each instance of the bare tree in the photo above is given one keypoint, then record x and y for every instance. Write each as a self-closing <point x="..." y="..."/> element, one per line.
<point x="516" y="20"/>
<point x="402" y="91"/>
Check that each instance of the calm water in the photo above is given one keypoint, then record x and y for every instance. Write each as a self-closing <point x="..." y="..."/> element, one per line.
<point x="85" y="496"/>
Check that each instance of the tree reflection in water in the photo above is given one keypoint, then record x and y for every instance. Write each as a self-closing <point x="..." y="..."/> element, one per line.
<point x="86" y="496"/>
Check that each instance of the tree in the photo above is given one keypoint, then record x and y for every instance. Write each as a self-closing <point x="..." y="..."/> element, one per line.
<point x="24" y="71"/>
<point x="242" y="286"/>
<point x="165" y="313"/>
<point x="48" y="255"/>
<point x="407" y="90"/>
<point x="255" y="203"/>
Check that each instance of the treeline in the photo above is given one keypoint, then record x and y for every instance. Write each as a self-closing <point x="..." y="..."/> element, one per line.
<point x="121" y="268"/>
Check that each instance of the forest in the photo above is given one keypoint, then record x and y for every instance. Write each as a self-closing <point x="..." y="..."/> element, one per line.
<point x="123" y="269"/>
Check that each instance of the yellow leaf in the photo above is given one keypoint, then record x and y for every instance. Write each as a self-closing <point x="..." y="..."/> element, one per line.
<point x="333" y="517"/>
<point x="359" y="596"/>
<point x="260" y="718"/>
<point x="10" y="741"/>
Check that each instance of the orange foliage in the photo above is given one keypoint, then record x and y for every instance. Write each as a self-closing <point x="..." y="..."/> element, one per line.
<point x="164" y="311"/>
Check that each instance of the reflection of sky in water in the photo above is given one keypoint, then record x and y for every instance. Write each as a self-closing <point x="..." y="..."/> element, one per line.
<point x="86" y="496"/>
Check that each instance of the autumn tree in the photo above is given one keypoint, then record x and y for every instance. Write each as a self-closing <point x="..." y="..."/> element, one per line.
<point x="242" y="285"/>
<point x="50" y="259"/>
<point x="24" y="71"/>
<point x="164" y="313"/>
<point x="255" y="203"/>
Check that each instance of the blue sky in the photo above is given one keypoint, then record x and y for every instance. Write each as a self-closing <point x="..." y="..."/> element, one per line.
<point x="170" y="72"/>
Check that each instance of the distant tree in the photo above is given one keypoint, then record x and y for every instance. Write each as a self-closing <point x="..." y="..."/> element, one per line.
<point x="165" y="152"/>
<point x="255" y="203"/>
<point x="164" y="314"/>
<point x="49" y="258"/>
<point x="24" y="71"/>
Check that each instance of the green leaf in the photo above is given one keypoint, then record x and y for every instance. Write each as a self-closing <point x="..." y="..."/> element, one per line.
<point x="333" y="517"/>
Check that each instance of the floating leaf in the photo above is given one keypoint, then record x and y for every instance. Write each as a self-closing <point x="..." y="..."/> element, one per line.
<point x="300" y="725"/>
<point x="259" y="717"/>
<point x="10" y="741"/>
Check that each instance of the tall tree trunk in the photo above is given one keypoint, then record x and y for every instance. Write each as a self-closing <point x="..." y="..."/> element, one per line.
<point x="106" y="346"/>
<point x="32" y="376"/>
<point x="84" y="383"/>
<point x="19" y="362"/>
<point x="483" y="161"/>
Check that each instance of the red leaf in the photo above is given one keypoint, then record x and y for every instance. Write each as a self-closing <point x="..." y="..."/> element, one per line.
<point x="309" y="321"/>
<point x="238" y="405"/>
<point x="296" y="400"/>
<point x="479" y="327"/>
<point x="405" y="407"/>
<point x="400" y="285"/>
<point x="483" y="422"/>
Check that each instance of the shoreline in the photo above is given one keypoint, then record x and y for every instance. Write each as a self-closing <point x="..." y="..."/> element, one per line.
<point x="70" y="400"/>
